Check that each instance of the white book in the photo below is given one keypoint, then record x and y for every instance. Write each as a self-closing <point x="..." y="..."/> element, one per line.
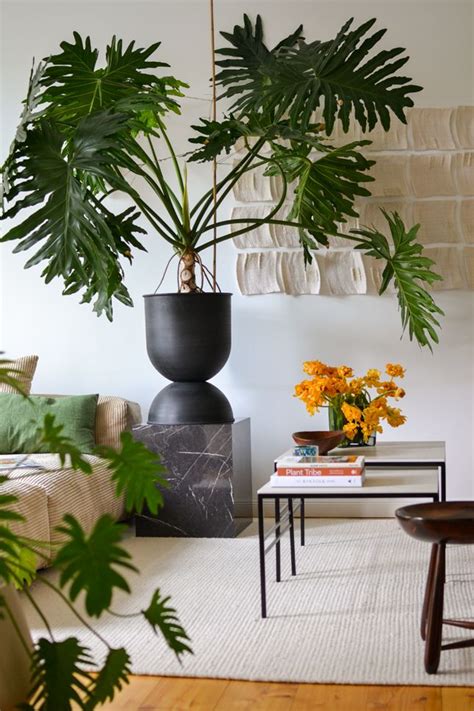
<point x="314" y="482"/>
<point x="18" y="461"/>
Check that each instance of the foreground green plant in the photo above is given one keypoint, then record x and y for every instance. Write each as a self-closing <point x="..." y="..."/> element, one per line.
<point x="87" y="132"/>
<point x="92" y="564"/>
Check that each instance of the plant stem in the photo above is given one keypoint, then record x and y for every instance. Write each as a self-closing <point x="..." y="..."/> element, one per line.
<point x="150" y="214"/>
<point x="39" y="611"/>
<point x="124" y="615"/>
<point x="172" y="154"/>
<point x="243" y="220"/>
<point x="273" y="212"/>
<point x="253" y="225"/>
<point x="235" y="177"/>
<point x="17" y="628"/>
<point x="73" y="609"/>
<point x="268" y="218"/>
<point x="208" y="196"/>
<point x="152" y="217"/>
<point x="237" y="170"/>
<point x="147" y="209"/>
<point x="161" y="188"/>
<point x="159" y="174"/>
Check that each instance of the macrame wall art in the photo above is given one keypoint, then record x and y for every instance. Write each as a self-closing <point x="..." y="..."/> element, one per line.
<point x="424" y="170"/>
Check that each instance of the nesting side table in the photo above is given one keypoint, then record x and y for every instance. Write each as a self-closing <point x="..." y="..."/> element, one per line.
<point x="395" y="470"/>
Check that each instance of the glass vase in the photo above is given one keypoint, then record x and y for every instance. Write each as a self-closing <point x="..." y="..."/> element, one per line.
<point x="337" y="421"/>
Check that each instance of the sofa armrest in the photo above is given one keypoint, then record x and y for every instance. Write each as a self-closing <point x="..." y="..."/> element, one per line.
<point x="134" y="414"/>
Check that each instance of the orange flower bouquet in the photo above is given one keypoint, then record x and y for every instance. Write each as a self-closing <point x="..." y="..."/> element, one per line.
<point x="357" y="405"/>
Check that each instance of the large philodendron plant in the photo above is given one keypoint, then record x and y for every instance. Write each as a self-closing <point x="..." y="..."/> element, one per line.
<point x="86" y="131"/>
<point x="91" y="564"/>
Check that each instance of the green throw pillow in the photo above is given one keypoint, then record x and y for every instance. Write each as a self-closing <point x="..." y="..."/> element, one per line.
<point x="20" y="419"/>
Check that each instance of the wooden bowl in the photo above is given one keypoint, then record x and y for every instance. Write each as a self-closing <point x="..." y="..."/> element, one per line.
<point x="326" y="440"/>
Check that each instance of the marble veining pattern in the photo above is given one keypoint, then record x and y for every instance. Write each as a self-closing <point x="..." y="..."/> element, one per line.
<point x="203" y="463"/>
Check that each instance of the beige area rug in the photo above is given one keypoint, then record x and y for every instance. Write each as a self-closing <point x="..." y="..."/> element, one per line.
<point x="349" y="616"/>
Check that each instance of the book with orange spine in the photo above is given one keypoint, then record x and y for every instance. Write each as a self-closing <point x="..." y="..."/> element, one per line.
<point x="316" y="470"/>
<point x="289" y="464"/>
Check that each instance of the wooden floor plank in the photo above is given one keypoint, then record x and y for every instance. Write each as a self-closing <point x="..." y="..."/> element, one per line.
<point x="322" y="697"/>
<point x="257" y="696"/>
<point x="458" y="698"/>
<point x="132" y="695"/>
<point x="184" y="693"/>
<point x="404" y="698"/>
<point x="153" y="693"/>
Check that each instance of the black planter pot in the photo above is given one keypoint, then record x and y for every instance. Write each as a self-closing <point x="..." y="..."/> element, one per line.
<point x="188" y="340"/>
<point x="190" y="404"/>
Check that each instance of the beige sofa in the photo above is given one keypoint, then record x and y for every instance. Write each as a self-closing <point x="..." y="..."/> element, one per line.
<point x="45" y="495"/>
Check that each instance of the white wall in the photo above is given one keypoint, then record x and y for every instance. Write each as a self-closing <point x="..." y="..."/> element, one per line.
<point x="272" y="335"/>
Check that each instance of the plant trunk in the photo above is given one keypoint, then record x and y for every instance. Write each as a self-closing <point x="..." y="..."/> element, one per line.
<point x="187" y="272"/>
<point x="14" y="660"/>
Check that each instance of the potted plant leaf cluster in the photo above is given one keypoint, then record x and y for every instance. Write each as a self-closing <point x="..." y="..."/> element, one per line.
<point x="51" y="673"/>
<point x="91" y="130"/>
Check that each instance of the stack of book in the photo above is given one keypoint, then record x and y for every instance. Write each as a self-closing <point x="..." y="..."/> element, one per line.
<point x="303" y="470"/>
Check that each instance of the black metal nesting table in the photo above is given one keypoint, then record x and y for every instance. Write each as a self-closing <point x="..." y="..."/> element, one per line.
<point x="394" y="470"/>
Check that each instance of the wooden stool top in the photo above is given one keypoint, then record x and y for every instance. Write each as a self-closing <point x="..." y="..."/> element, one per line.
<point x="448" y="521"/>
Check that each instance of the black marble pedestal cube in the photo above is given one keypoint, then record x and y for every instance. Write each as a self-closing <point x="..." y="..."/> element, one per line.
<point x="209" y="473"/>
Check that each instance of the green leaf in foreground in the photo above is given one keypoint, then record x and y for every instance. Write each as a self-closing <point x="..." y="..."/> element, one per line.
<point x="6" y="500"/>
<point x="137" y="473"/>
<point x="90" y="562"/>
<point x="8" y="540"/>
<point x="160" y="615"/>
<point x="22" y="565"/>
<point x="50" y="435"/>
<point x="11" y="376"/>
<point x="57" y="678"/>
<point x="111" y="678"/>
<point x="409" y="270"/>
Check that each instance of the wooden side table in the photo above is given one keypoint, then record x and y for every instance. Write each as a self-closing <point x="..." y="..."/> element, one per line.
<point x="447" y="522"/>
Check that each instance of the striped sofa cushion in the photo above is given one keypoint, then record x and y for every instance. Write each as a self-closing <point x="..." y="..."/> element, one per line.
<point x="32" y="504"/>
<point x="110" y="421"/>
<point x="46" y="495"/>
<point x="114" y="415"/>
<point x="27" y="366"/>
